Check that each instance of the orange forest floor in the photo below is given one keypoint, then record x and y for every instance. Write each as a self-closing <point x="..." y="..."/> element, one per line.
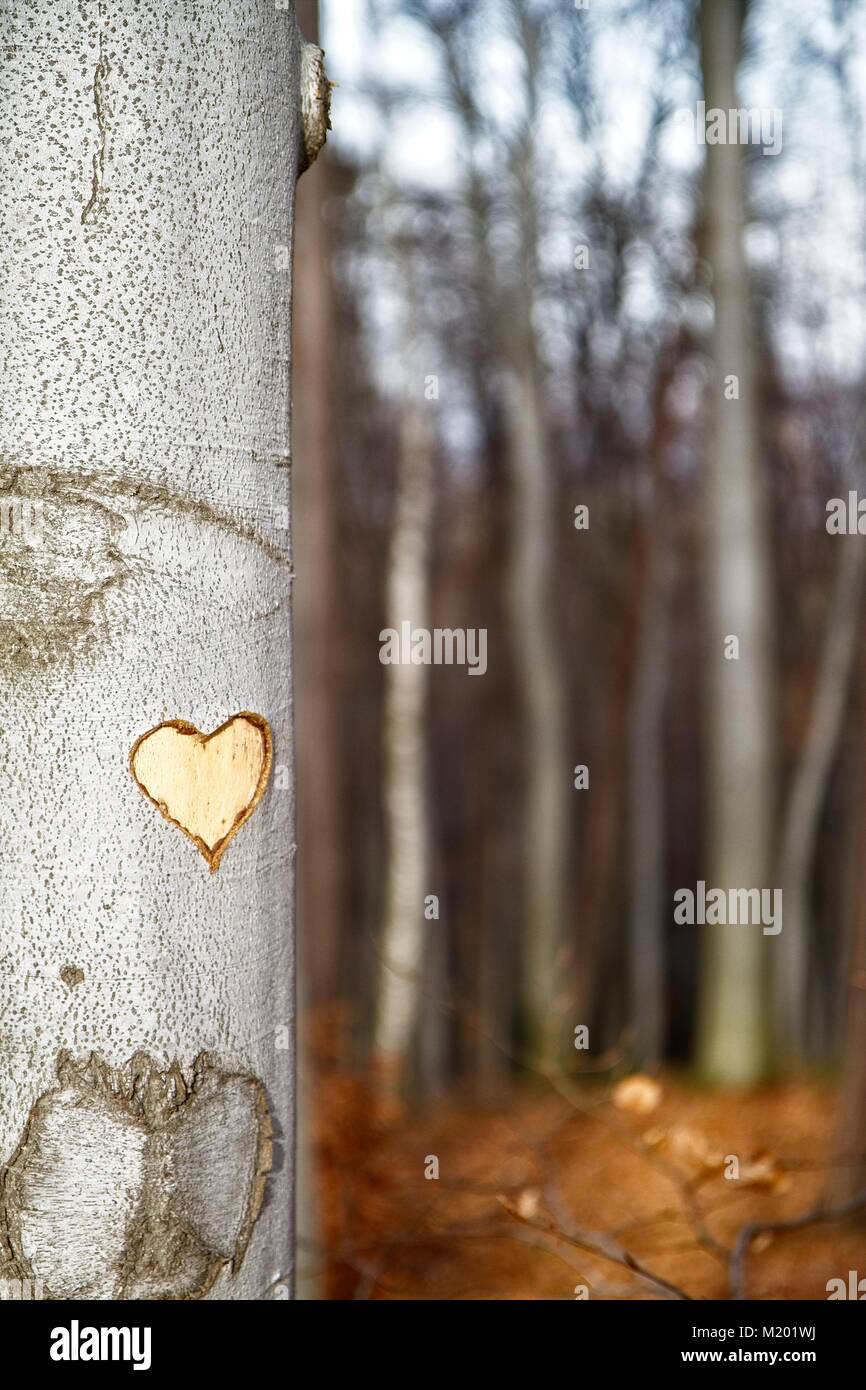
<point x="614" y="1192"/>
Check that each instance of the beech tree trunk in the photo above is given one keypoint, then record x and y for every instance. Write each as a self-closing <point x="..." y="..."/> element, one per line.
<point x="545" y="822"/>
<point x="547" y="989"/>
<point x="149" y="160"/>
<point x="735" y="1007"/>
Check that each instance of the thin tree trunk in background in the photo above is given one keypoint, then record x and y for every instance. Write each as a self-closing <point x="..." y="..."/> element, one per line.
<point x="531" y="593"/>
<point x="647" y="801"/>
<point x="849" y="1177"/>
<point x="604" y="841"/>
<point x="647" y="809"/>
<point x="149" y="161"/>
<point x="733" y="1043"/>
<point x="849" y="1147"/>
<point x="807" y="794"/>
<point x="531" y="477"/>
<point x="318" y="683"/>
<point x="498" y="986"/>
<point x="647" y="839"/>
<point x="547" y="765"/>
<point x="404" y="753"/>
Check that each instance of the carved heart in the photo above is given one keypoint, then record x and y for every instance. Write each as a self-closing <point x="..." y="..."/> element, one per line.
<point x="205" y="784"/>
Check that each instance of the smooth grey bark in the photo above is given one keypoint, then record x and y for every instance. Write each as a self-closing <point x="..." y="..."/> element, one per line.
<point x="734" y="1008"/>
<point x="147" y="180"/>
<point x="531" y="593"/>
<point x="545" y="819"/>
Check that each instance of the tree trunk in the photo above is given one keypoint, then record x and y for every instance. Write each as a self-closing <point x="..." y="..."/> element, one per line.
<point x="647" y="840"/>
<point x="146" y="993"/>
<point x="318" y="687"/>
<point x="318" y="648"/>
<point x="848" y="1177"/>
<point x="547" y="997"/>
<point x="733" y="1041"/>
<point x="545" y="822"/>
<point x="404" y="775"/>
<point x="805" y="799"/>
<point x="647" y="806"/>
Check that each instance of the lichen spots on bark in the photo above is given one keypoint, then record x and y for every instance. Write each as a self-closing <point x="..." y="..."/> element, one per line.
<point x="135" y="1182"/>
<point x="207" y="785"/>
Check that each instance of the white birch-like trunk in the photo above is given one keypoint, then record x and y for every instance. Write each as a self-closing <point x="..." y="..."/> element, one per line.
<point x="149" y="158"/>
<point x="404" y="774"/>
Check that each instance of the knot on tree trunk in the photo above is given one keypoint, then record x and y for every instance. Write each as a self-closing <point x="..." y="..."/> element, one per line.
<point x="315" y="104"/>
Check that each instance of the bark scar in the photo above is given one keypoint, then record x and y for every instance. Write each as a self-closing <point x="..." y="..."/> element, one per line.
<point x="100" y="77"/>
<point x="136" y="1182"/>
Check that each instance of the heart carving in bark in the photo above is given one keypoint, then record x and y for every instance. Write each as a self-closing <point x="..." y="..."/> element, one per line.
<point x="207" y="785"/>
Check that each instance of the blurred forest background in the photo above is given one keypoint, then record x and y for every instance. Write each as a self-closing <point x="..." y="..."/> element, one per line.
<point x="568" y="375"/>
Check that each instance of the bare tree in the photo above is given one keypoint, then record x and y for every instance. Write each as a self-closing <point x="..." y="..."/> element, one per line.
<point x="539" y="670"/>
<point x="733" y="1033"/>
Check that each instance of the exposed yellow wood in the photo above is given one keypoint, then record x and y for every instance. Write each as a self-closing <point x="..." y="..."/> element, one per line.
<point x="207" y="785"/>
